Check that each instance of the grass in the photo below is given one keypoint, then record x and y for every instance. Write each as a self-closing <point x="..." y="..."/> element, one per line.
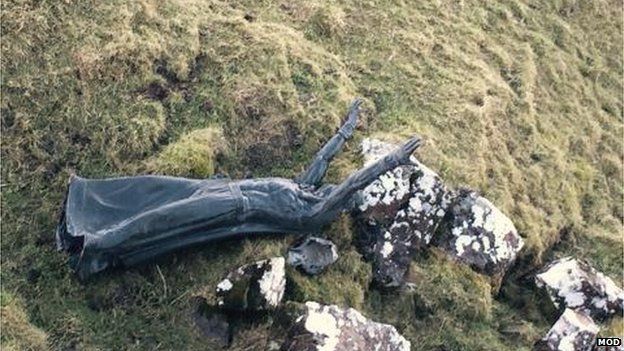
<point x="520" y="99"/>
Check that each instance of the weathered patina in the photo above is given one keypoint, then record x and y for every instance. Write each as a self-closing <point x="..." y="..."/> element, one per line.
<point x="120" y="222"/>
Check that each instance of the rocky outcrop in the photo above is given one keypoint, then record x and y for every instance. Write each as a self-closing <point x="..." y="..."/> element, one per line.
<point x="478" y="234"/>
<point x="573" y="331"/>
<point x="312" y="255"/>
<point x="257" y="286"/>
<point x="398" y="214"/>
<point x="329" y="328"/>
<point x="574" y="284"/>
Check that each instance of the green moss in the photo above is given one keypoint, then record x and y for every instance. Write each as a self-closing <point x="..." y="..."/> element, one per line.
<point x="344" y="283"/>
<point x="193" y="155"/>
<point x="442" y="285"/>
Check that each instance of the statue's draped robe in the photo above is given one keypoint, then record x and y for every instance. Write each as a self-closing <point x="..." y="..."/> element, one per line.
<point x="107" y="222"/>
<point x="128" y="220"/>
<point x="124" y="221"/>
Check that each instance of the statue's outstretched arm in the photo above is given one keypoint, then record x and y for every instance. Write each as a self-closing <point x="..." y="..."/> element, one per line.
<point x="341" y="195"/>
<point x="316" y="171"/>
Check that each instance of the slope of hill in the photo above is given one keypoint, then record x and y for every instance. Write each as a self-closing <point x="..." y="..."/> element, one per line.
<point x="521" y="99"/>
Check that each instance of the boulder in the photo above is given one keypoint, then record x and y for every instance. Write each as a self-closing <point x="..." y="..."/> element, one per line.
<point x="573" y="331"/>
<point x="312" y="255"/>
<point x="329" y="328"/>
<point x="397" y="214"/>
<point x="478" y="234"/>
<point x="256" y="286"/>
<point x="574" y="284"/>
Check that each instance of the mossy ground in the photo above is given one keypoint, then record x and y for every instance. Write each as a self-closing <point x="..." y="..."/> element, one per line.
<point x="520" y="99"/>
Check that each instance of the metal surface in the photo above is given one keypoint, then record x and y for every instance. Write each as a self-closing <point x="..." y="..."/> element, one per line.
<point x="120" y="222"/>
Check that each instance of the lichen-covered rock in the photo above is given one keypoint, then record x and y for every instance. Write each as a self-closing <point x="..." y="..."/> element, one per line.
<point x="398" y="214"/>
<point x="574" y="284"/>
<point x="312" y="254"/>
<point x="329" y="328"/>
<point x="381" y="200"/>
<point x="256" y="286"/>
<point x="477" y="233"/>
<point x="573" y="331"/>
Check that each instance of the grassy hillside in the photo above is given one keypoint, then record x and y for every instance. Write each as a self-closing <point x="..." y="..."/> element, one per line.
<point x="521" y="99"/>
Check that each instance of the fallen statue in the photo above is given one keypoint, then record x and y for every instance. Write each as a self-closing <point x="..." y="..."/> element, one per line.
<point x="120" y="222"/>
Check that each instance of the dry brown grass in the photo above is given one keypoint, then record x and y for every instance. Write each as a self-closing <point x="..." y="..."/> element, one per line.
<point x="17" y="331"/>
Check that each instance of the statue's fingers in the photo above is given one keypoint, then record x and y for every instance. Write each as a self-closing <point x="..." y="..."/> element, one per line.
<point x="354" y="111"/>
<point x="414" y="143"/>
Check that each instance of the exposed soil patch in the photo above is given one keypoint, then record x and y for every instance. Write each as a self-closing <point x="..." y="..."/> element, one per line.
<point x="155" y="91"/>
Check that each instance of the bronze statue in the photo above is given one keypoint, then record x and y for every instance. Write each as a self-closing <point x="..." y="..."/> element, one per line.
<point x="120" y="222"/>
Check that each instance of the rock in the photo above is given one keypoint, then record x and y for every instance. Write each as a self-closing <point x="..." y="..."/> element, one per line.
<point x="382" y="199"/>
<point x="256" y="286"/>
<point x="574" y="284"/>
<point x="573" y="331"/>
<point x="398" y="214"/>
<point x="312" y="254"/>
<point x="477" y="233"/>
<point x="212" y="324"/>
<point x="329" y="327"/>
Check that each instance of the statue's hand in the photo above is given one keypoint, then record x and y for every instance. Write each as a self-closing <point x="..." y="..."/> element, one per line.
<point x="352" y="118"/>
<point x="402" y="153"/>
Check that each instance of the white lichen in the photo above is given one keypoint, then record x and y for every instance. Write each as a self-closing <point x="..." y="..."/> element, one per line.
<point x="334" y="328"/>
<point x="322" y="324"/>
<point x="492" y="220"/>
<point x="224" y="285"/>
<point x="387" y="249"/>
<point x="490" y="233"/>
<point x="568" y="279"/>
<point x="461" y="243"/>
<point x="571" y="329"/>
<point x="273" y="281"/>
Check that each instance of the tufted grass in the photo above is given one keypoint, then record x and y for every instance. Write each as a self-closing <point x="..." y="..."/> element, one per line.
<point x="520" y="99"/>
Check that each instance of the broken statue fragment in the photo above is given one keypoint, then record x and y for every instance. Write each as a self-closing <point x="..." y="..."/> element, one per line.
<point x="398" y="214"/>
<point x="574" y="284"/>
<point x="256" y="286"/>
<point x="312" y="255"/>
<point x="331" y="328"/>
<point x="120" y="222"/>
<point x="478" y="234"/>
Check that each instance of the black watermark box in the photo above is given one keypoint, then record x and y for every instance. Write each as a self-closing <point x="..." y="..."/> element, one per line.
<point x="608" y="344"/>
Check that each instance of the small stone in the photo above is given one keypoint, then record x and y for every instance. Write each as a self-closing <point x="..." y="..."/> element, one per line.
<point x="479" y="235"/>
<point x="573" y="331"/>
<point x="574" y="284"/>
<point x="256" y="286"/>
<point x="249" y="17"/>
<point x="329" y="327"/>
<point x="312" y="255"/>
<point x="207" y="106"/>
<point x="398" y="214"/>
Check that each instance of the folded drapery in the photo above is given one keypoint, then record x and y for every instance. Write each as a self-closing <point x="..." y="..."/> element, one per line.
<point x="124" y="221"/>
